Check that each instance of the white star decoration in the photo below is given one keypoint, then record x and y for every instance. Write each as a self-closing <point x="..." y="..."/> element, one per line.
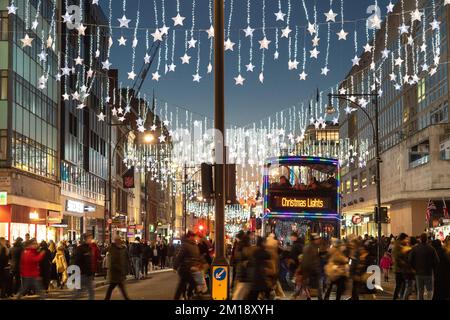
<point x="26" y="42"/>
<point x="239" y="80"/>
<point x="12" y="9"/>
<point x="331" y="16"/>
<point x="124" y="22"/>
<point x="280" y="15"/>
<point x="185" y="59"/>
<point x="229" y="45"/>
<point x="342" y="35"/>
<point x="178" y="20"/>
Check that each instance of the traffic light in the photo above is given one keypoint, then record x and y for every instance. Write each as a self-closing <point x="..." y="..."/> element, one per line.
<point x="207" y="181"/>
<point x="384" y="215"/>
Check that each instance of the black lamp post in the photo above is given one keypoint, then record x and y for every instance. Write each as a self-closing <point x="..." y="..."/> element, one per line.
<point x="375" y="127"/>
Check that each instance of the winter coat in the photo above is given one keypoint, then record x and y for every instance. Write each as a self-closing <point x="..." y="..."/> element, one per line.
<point x="95" y="257"/>
<point x="337" y="265"/>
<point x="82" y="258"/>
<point x="29" y="263"/>
<point x="117" y="264"/>
<point x="386" y="262"/>
<point x="311" y="261"/>
<point x="188" y="257"/>
<point x="242" y="258"/>
<point x="262" y="271"/>
<point x="424" y="259"/>
<point x="46" y="264"/>
<point x="4" y="257"/>
<point x="16" y="253"/>
<point x="442" y="276"/>
<point x="147" y="252"/>
<point x="136" y="250"/>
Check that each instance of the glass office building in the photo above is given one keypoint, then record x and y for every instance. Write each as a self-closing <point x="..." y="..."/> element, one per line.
<point x="29" y="118"/>
<point x="413" y="122"/>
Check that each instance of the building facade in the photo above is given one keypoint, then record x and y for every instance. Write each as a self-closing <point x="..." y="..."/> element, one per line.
<point x="29" y="120"/>
<point x="414" y="125"/>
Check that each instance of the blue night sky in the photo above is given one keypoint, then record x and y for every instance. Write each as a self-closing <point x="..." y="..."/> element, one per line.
<point x="253" y="101"/>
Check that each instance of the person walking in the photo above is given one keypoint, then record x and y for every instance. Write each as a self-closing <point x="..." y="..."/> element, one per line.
<point x="15" y="254"/>
<point x="60" y="263"/>
<point x="4" y="262"/>
<point x="242" y="255"/>
<point x="311" y="272"/>
<point x="117" y="268"/>
<point x="146" y="257"/>
<point x="337" y="270"/>
<point x="29" y="269"/>
<point x="136" y="257"/>
<point x="155" y="256"/>
<point x="45" y="265"/>
<point x="170" y="254"/>
<point x="83" y="259"/>
<point x="260" y="264"/>
<point x="163" y="254"/>
<point x="442" y="274"/>
<point x="424" y="260"/>
<point x="397" y="265"/>
<point x="187" y="260"/>
<point x="385" y="265"/>
<point x="95" y="257"/>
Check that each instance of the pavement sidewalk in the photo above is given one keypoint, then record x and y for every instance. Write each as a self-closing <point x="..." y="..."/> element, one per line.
<point x="101" y="281"/>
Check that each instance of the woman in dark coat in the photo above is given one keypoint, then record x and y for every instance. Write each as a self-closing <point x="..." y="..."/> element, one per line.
<point x="117" y="262"/>
<point x="260" y="265"/>
<point x="45" y="266"/>
<point x="442" y="273"/>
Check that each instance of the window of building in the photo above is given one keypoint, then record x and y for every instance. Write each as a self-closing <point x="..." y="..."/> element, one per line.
<point x="440" y="114"/>
<point x="4" y="85"/>
<point x="419" y="154"/>
<point x="347" y="187"/>
<point x="363" y="179"/>
<point x="4" y="26"/>
<point x="355" y="183"/>
<point x="445" y="150"/>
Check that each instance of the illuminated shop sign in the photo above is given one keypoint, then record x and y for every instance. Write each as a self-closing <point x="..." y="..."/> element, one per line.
<point x="74" y="206"/>
<point x="301" y="203"/>
<point x="3" y="198"/>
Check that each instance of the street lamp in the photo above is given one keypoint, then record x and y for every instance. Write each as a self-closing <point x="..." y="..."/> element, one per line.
<point x="149" y="138"/>
<point x="375" y="127"/>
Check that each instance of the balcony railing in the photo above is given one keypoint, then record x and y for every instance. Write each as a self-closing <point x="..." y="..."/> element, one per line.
<point x="87" y="194"/>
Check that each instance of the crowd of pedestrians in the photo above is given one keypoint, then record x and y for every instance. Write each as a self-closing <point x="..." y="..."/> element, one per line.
<point x="31" y="268"/>
<point x="315" y="267"/>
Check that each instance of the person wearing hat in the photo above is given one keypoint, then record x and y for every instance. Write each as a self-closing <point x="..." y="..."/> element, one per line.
<point x="83" y="259"/>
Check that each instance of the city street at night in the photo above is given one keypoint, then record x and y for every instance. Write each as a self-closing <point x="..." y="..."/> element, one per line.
<point x="226" y="158"/>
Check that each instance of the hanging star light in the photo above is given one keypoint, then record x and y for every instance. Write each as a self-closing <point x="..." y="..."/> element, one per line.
<point x="303" y="75"/>
<point x="312" y="28"/>
<point x="356" y="60"/>
<point x="314" y="53"/>
<point x="403" y="29"/>
<point x="196" y="77"/>
<point x="416" y="15"/>
<point x="210" y="32"/>
<point x="12" y="9"/>
<point x="192" y="43"/>
<point x="229" y="45"/>
<point x="122" y="41"/>
<point x="342" y="35"/>
<point x="285" y="32"/>
<point x="239" y="80"/>
<point x="124" y="22"/>
<point x="106" y="65"/>
<point x="178" y="20"/>
<point x="101" y="116"/>
<point x="331" y="16"/>
<point x="26" y="41"/>
<point x="185" y="59"/>
<point x="250" y="67"/>
<point x="280" y="15"/>
<point x="249" y="31"/>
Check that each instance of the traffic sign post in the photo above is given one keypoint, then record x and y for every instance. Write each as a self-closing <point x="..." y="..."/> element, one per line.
<point x="220" y="282"/>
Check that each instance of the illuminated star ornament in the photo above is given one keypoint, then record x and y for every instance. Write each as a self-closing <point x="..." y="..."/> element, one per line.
<point x="124" y="22"/>
<point x="178" y="20"/>
<point x="12" y="9"/>
<point x="249" y="31"/>
<point x="342" y="35"/>
<point x="196" y="77"/>
<point x="331" y="16"/>
<point x="185" y="59"/>
<point x="106" y="65"/>
<point x="210" y="32"/>
<point x="264" y="43"/>
<point x="101" y="116"/>
<point x="314" y="53"/>
<point x="280" y="15"/>
<point x="355" y="61"/>
<point x="325" y="71"/>
<point x="26" y="42"/>
<point x="122" y="41"/>
<point x="229" y="45"/>
<point x="239" y="80"/>
<point x="303" y="76"/>
<point x="131" y="75"/>
<point x="285" y="32"/>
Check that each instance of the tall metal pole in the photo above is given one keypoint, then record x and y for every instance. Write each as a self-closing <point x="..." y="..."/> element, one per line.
<point x="110" y="168"/>
<point x="219" y="124"/>
<point x="146" y="238"/>
<point x="378" y="177"/>
<point x="185" y="201"/>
